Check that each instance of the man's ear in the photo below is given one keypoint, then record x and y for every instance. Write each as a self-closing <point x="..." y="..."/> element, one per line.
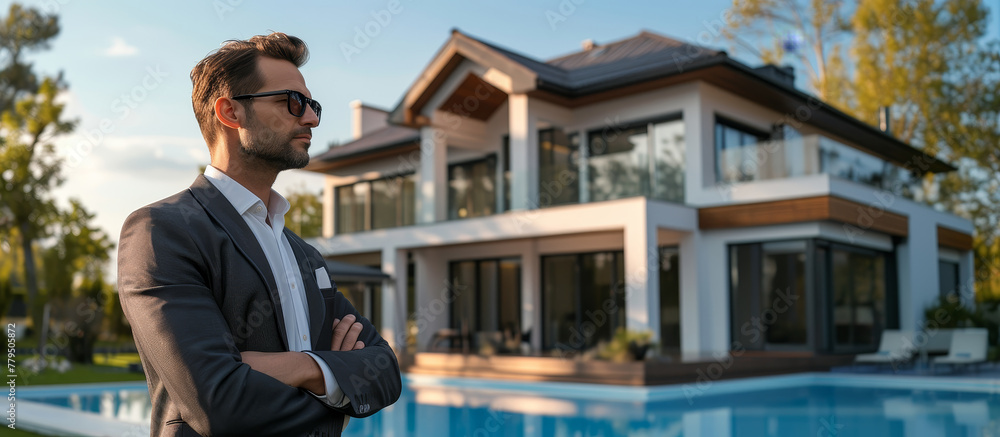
<point x="226" y="111"/>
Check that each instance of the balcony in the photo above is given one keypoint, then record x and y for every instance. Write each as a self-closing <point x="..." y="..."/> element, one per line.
<point x="811" y="155"/>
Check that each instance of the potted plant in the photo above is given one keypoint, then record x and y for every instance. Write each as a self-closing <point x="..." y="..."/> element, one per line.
<point x="626" y="345"/>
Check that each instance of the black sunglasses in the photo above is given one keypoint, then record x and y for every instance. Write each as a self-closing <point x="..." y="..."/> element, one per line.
<point x="296" y="102"/>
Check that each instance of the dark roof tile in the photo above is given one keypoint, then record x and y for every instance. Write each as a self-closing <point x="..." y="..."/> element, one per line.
<point x="385" y="137"/>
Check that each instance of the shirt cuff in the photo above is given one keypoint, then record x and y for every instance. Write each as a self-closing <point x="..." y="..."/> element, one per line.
<point x="334" y="397"/>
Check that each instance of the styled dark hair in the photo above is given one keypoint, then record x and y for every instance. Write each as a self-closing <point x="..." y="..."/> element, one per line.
<point x="232" y="70"/>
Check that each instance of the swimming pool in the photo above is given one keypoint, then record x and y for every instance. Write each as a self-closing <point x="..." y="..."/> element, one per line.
<point x="792" y="405"/>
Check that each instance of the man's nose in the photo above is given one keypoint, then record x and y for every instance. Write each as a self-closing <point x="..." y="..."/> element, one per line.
<point x="309" y="118"/>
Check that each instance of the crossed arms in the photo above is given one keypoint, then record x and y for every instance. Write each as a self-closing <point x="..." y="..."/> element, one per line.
<point x="295" y="369"/>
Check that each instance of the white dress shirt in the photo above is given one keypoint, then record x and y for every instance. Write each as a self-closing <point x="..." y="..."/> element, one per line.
<point x="286" y="272"/>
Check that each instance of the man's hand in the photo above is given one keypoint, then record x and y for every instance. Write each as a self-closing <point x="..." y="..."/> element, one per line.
<point x="292" y="368"/>
<point x="345" y="334"/>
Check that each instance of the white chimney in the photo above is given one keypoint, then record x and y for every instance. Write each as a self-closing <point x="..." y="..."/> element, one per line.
<point x="588" y="44"/>
<point x="366" y="119"/>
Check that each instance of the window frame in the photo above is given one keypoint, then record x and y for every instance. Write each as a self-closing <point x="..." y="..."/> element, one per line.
<point x="448" y="172"/>
<point x="369" y="213"/>
<point x="718" y="139"/>
<point x="648" y="189"/>
<point x="619" y="256"/>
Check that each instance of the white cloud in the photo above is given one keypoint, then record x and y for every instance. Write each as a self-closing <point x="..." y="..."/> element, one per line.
<point x="120" y="48"/>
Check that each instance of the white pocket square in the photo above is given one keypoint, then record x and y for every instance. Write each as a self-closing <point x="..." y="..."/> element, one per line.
<point x="323" y="278"/>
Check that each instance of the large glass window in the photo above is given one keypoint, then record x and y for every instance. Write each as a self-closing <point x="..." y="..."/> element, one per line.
<point x="472" y="188"/>
<point x="859" y="298"/>
<point x="668" y="160"/>
<point x="641" y="159"/>
<point x="377" y="204"/>
<point x="619" y="160"/>
<point x="583" y="299"/>
<point x="769" y="302"/>
<point x="735" y="154"/>
<point x="670" y="303"/>
<point x="487" y="305"/>
<point x="394" y="201"/>
<point x="948" y="278"/>
<point x="558" y="173"/>
<point x="810" y="295"/>
<point x="352" y="207"/>
<point x="745" y="154"/>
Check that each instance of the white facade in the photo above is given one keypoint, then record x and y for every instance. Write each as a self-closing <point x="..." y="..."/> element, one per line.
<point x="637" y="226"/>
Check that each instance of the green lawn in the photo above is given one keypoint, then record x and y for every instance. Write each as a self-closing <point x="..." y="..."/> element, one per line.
<point x="19" y="433"/>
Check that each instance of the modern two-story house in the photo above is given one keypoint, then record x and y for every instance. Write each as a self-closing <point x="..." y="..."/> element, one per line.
<point x="520" y="206"/>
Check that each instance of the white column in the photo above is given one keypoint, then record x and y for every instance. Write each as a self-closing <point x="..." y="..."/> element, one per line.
<point x="432" y="309"/>
<point x="642" y="274"/>
<point x="918" y="271"/>
<point x="432" y="203"/>
<point x="523" y="153"/>
<point x="531" y="294"/>
<point x="691" y="314"/>
<point x="394" y="315"/>
<point x="328" y="206"/>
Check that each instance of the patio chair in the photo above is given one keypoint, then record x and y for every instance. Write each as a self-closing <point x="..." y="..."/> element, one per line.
<point x="968" y="347"/>
<point x="894" y="348"/>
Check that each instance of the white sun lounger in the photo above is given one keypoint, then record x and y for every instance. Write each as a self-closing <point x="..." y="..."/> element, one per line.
<point x="895" y="347"/>
<point x="968" y="346"/>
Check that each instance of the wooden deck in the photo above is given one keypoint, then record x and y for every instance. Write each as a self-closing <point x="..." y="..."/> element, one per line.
<point x="654" y="371"/>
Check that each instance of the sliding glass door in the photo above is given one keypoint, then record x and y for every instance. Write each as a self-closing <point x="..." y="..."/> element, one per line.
<point x="811" y="295"/>
<point x="858" y="296"/>
<point x="488" y="300"/>
<point x="770" y="300"/>
<point x="583" y="299"/>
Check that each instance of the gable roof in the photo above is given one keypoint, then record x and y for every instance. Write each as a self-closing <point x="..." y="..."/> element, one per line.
<point x="631" y="60"/>
<point x="631" y="65"/>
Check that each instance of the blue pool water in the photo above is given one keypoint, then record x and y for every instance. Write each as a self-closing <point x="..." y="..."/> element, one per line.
<point x="798" y="405"/>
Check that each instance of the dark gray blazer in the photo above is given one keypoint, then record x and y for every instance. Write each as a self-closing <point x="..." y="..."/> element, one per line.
<point x="197" y="289"/>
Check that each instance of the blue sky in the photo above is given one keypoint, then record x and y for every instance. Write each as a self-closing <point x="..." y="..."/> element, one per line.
<point x="127" y="64"/>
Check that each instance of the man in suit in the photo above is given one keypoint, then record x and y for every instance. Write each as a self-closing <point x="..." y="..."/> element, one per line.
<point x="238" y="326"/>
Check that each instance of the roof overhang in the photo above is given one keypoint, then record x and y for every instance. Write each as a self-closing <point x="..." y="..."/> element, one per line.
<point x="738" y="79"/>
<point x="346" y="272"/>
<point x="459" y="48"/>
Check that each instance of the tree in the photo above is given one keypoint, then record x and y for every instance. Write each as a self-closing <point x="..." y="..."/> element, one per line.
<point x="928" y="61"/>
<point x="30" y="119"/>
<point x="818" y="26"/>
<point x="23" y="30"/>
<point x="305" y="216"/>
<point x="80" y="251"/>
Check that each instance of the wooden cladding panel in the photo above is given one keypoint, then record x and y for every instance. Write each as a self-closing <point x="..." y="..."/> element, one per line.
<point x="954" y="239"/>
<point x="765" y="213"/>
<point x="804" y="210"/>
<point x="868" y="217"/>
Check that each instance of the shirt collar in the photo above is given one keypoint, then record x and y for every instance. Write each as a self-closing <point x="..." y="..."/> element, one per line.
<point x="244" y="201"/>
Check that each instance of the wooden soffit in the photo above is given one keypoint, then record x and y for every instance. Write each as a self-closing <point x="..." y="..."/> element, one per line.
<point x="809" y="209"/>
<point x="458" y="48"/>
<point x="474" y="98"/>
<point x="954" y="239"/>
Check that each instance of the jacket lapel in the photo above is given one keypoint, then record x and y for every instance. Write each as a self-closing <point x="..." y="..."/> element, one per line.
<point x="223" y="212"/>
<point x="314" y="298"/>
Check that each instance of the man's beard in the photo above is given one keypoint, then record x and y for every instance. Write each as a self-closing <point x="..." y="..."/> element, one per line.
<point x="269" y="147"/>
